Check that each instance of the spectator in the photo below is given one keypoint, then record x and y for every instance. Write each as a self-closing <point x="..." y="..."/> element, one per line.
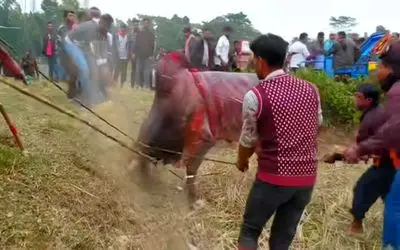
<point x="131" y="53"/>
<point x="328" y="45"/>
<point x="49" y="50"/>
<point x="143" y="53"/>
<point x="63" y="29"/>
<point x="29" y="65"/>
<point x="222" y="50"/>
<point x="122" y="42"/>
<point x="317" y="52"/>
<point x="282" y="115"/>
<point x="190" y="39"/>
<point x="345" y="51"/>
<point x="298" y="52"/>
<point x="202" y="53"/>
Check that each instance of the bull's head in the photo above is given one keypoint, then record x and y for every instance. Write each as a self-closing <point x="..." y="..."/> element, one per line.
<point x="175" y="97"/>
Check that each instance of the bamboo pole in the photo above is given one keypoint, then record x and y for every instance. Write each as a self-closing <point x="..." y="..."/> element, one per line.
<point x="12" y="128"/>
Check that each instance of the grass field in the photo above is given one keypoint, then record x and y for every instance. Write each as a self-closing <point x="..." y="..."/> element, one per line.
<point x="75" y="189"/>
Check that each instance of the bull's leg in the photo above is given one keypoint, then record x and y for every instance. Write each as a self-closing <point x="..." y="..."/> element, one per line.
<point x="198" y="141"/>
<point x="192" y="162"/>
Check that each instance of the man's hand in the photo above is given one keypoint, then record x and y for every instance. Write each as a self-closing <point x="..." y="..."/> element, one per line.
<point x="133" y="56"/>
<point x="351" y="154"/>
<point x="243" y="166"/>
<point x="243" y="158"/>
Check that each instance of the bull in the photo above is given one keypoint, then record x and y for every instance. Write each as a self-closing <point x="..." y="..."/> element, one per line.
<point x="191" y="111"/>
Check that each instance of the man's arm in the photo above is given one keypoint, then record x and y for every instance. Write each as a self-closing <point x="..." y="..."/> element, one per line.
<point x="388" y="134"/>
<point x="249" y="136"/>
<point x="80" y="32"/>
<point x="305" y="51"/>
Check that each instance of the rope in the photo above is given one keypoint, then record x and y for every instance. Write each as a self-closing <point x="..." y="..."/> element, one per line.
<point x="75" y="117"/>
<point x="130" y="137"/>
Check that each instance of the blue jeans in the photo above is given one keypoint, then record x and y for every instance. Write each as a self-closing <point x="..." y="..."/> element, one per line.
<point x="143" y="72"/>
<point x="62" y="75"/>
<point x="78" y="57"/>
<point x="52" y="63"/>
<point x="391" y="220"/>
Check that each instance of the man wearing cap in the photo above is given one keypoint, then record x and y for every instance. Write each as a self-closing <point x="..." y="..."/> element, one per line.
<point x="387" y="138"/>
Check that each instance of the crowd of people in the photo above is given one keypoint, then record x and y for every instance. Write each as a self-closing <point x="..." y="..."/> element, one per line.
<point x="344" y="48"/>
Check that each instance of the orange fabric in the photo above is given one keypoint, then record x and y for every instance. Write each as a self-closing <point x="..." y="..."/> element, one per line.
<point x="376" y="160"/>
<point x="395" y="158"/>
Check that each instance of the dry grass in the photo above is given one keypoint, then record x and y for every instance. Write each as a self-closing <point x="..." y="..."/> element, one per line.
<point x="74" y="190"/>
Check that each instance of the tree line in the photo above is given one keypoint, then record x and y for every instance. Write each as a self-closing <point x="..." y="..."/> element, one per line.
<point x="24" y="31"/>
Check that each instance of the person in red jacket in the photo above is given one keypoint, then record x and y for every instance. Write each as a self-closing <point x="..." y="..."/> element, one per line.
<point x="281" y="115"/>
<point x="10" y="65"/>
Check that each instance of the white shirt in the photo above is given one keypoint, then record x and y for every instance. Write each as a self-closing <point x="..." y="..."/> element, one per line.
<point x="122" y="49"/>
<point x="205" y="54"/>
<point x="97" y="20"/>
<point x="249" y="135"/>
<point x="299" y="53"/>
<point x="110" y="39"/>
<point x="222" y="50"/>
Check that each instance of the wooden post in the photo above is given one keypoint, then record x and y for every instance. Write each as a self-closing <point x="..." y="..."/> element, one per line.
<point x="12" y="127"/>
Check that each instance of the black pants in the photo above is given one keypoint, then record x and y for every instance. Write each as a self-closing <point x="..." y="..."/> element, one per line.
<point x="121" y="67"/>
<point x="133" y="71"/>
<point x="374" y="183"/>
<point x="288" y="204"/>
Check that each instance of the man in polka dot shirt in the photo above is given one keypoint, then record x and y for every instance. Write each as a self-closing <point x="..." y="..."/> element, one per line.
<point x="281" y="115"/>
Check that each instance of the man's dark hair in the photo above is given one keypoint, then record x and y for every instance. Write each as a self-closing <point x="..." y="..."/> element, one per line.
<point x="95" y="12"/>
<point x="49" y="22"/>
<point x="206" y="29"/>
<point x="227" y="28"/>
<point x="303" y="36"/>
<point x="371" y="91"/>
<point x="146" y="19"/>
<point x="187" y="30"/>
<point x="67" y="12"/>
<point x="321" y="34"/>
<point x="107" y="18"/>
<point x="342" y="33"/>
<point x="123" y="26"/>
<point x="271" y="48"/>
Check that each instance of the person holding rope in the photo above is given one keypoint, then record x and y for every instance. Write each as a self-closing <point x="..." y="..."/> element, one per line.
<point x="282" y="115"/>
<point x="82" y="52"/>
<point x="376" y="181"/>
<point x="387" y="138"/>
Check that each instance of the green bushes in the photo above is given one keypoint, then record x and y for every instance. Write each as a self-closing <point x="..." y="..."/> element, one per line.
<point x="336" y="97"/>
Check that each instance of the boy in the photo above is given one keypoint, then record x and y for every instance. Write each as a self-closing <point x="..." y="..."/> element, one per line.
<point x="30" y="67"/>
<point x="376" y="181"/>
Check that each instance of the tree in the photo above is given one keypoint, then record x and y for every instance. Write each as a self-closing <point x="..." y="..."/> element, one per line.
<point x="51" y="9"/>
<point x="69" y="5"/>
<point x="343" y="23"/>
<point x="242" y="27"/>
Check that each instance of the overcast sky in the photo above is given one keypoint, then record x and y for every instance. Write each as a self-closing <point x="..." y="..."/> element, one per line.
<point x="287" y="18"/>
